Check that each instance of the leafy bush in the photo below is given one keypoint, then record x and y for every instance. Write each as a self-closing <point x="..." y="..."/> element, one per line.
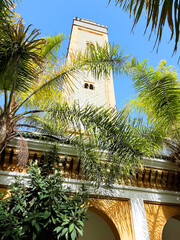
<point x="43" y="210"/>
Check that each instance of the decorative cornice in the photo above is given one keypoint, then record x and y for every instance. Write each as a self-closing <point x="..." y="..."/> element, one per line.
<point x="160" y="164"/>
<point x="156" y="174"/>
<point x="67" y="149"/>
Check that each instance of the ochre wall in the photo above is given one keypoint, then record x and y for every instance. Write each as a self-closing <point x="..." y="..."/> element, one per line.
<point x="119" y="212"/>
<point x="2" y="190"/>
<point x="157" y="216"/>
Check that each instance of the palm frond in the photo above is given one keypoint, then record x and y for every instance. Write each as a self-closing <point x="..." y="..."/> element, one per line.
<point x="159" y="93"/>
<point x="102" y="137"/>
<point x="53" y="45"/>
<point x="20" y="59"/>
<point x="99" y="61"/>
<point x="157" y="14"/>
<point x="158" y="98"/>
<point x="6" y="7"/>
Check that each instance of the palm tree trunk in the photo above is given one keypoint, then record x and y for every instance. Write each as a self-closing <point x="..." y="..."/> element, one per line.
<point x="3" y="134"/>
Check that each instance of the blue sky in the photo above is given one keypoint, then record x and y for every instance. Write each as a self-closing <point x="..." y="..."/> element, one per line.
<point x="56" y="16"/>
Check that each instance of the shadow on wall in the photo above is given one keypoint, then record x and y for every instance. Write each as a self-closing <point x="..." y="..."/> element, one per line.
<point x="171" y="230"/>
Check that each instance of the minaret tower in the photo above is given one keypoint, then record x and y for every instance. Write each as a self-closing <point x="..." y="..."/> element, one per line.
<point x="87" y="89"/>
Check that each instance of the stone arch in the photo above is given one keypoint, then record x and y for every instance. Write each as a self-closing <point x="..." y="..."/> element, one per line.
<point x="157" y="216"/>
<point x="99" y="226"/>
<point x="107" y="220"/>
<point x="118" y="212"/>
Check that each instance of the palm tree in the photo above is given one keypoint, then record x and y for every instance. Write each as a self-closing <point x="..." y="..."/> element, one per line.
<point x="20" y="63"/>
<point x="31" y="94"/>
<point x="26" y="74"/>
<point x="31" y="79"/>
<point x="109" y="145"/>
<point x="158" y="97"/>
<point x="157" y="13"/>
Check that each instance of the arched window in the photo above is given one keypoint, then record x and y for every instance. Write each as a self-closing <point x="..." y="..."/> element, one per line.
<point x="91" y="86"/>
<point x="86" y="85"/>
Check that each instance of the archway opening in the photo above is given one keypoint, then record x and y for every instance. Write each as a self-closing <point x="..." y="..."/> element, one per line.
<point x="171" y="229"/>
<point x="99" y="227"/>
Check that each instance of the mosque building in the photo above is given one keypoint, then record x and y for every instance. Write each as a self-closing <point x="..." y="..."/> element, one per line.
<point x="146" y="207"/>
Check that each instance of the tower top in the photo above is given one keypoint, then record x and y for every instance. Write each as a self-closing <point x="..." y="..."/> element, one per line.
<point x="90" y="24"/>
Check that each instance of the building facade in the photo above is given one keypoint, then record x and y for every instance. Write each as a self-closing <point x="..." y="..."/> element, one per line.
<point x="145" y="206"/>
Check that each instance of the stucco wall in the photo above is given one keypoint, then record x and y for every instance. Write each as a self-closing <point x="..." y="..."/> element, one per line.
<point x="3" y="190"/>
<point x="157" y="215"/>
<point x="119" y="212"/>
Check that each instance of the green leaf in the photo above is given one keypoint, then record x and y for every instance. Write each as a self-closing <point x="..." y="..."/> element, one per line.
<point x="81" y="223"/>
<point x="44" y="196"/>
<point x="37" y="227"/>
<point x="64" y="231"/>
<point x="71" y="227"/>
<point x="46" y="214"/>
<point x="33" y="222"/>
<point x="73" y="234"/>
<point x="80" y="231"/>
<point x="58" y="229"/>
<point x="53" y="220"/>
<point x="67" y="235"/>
<point x="34" y="236"/>
<point x="65" y="223"/>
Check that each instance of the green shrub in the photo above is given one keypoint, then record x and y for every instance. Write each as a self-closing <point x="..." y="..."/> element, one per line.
<point x="44" y="209"/>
